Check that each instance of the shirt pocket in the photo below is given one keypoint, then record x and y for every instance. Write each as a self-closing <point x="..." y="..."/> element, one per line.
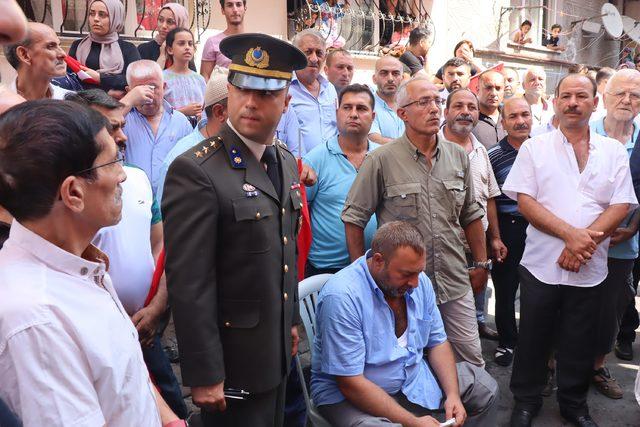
<point x="252" y="216"/>
<point x="402" y="200"/>
<point x="422" y="333"/>
<point x="239" y="314"/>
<point x="456" y="191"/>
<point x="599" y="188"/>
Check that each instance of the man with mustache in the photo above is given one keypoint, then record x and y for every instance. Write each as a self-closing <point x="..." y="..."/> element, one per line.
<point x="426" y="180"/>
<point x="233" y="12"/>
<point x="313" y="97"/>
<point x="37" y="59"/>
<point x="535" y="86"/>
<point x="387" y="126"/>
<point x="621" y="96"/>
<point x="461" y="114"/>
<point x="490" y="95"/>
<point x="574" y="188"/>
<point x="456" y="73"/>
<point x="507" y="228"/>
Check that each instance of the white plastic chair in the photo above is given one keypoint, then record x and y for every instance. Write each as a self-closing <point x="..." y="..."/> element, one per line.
<point x="308" y="291"/>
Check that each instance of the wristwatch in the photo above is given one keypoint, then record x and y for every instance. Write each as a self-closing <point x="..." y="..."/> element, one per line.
<point x="487" y="265"/>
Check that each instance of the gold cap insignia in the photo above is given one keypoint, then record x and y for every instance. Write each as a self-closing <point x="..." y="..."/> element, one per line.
<point x="237" y="160"/>
<point x="256" y="57"/>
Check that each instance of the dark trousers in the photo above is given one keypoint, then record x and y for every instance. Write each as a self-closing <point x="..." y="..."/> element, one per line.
<point x="295" y="408"/>
<point x="570" y="314"/>
<point x="311" y="270"/>
<point x="630" y="319"/>
<point x="258" y="410"/>
<point x="513" y="230"/>
<point x="160" y="369"/>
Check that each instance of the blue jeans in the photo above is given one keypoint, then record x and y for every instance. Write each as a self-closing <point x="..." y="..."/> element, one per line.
<point x="164" y="378"/>
<point x="480" y="299"/>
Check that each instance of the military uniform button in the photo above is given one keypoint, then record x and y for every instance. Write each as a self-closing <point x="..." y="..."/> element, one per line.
<point x="286" y="268"/>
<point x="286" y="296"/>
<point x="283" y="211"/>
<point x="301" y="204"/>
<point x="84" y="270"/>
<point x="258" y="215"/>
<point x="285" y="240"/>
<point x="227" y="324"/>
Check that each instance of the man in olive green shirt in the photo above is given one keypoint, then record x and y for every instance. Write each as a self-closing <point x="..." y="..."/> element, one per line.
<point x="426" y="181"/>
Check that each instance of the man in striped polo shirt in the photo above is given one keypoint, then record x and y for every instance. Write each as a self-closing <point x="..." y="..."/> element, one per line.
<point x="509" y="228"/>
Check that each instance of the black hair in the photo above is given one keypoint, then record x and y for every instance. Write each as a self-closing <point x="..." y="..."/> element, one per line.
<point x="171" y="37"/>
<point x="455" y="63"/>
<point x="417" y="35"/>
<point x="11" y="51"/>
<point x="594" y="86"/>
<point x="357" y="88"/>
<point x="222" y="2"/>
<point x="462" y="89"/>
<point x="526" y="22"/>
<point x="558" y="26"/>
<point x="460" y="43"/>
<point x="43" y="142"/>
<point x="94" y="97"/>
<point x="604" y="73"/>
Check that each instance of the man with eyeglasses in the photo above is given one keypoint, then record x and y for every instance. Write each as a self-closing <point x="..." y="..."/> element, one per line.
<point x="61" y="361"/>
<point x="425" y="180"/>
<point x="621" y="97"/>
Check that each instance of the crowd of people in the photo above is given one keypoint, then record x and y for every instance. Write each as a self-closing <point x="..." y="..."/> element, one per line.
<point x="135" y="189"/>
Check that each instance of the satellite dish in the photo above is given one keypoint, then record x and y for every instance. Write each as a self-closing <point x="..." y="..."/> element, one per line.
<point x="611" y="20"/>
<point x="631" y="28"/>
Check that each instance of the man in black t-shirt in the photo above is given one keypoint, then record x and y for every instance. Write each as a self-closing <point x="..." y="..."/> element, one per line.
<point x="551" y="41"/>
<point x="415" y="55"/>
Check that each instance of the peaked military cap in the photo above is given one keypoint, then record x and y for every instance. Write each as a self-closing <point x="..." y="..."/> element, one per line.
<point x="261" y="62"/>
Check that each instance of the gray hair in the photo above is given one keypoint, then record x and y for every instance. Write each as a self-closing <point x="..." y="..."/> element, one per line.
<point x="402" y="96"/>
<point x="11" y="51"/>
<point x="309" y="32"/>
<point x="394" y="235"/>
<point x="143" y="69"/>
<point x="624" y="74"/>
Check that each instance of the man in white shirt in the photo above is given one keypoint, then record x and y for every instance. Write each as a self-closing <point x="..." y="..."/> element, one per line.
<point x="574" y="188"/>
<point x="60" y="361"/>
<point x="37" y="59"/>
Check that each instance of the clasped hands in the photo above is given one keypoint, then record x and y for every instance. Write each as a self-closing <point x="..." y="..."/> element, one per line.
<point x="580" y="245"/>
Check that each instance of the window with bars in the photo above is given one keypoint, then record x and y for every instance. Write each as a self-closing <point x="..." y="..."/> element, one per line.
<point x="364" y="26"/>
<point x="70" y="17"/>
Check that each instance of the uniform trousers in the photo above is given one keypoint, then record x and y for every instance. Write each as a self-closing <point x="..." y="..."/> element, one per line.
<point x="630" y="319"/>
<point x="461" y="326"/>
<point x="258" y="410"/>
<point x="513" y="230"/>
<point x="478" y="392"/>
<point x="569" y="314"/>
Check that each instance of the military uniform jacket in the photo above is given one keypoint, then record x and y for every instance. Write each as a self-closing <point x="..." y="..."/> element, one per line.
<point x="231" y="263"/>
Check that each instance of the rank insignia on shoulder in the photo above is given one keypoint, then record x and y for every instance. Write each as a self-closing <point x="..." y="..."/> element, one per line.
<point x="198" y="153"/>
<point x="205" y="149"/>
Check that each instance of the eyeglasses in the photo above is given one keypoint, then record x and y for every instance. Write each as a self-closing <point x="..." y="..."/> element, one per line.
<point x="426" y="101"/>
<point x="119" y="159"/>
<point x="633" y="96"/>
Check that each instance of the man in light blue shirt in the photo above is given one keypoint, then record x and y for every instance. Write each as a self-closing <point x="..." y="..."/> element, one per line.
<point x="381" y="355"/>
<point x="336" y="163"/>
<point x="313" y="97"/>
<point x="622" y="103"/>
<point x="215" y="108"/>
<point x="288" y="131"/>
<point x="387" y="126"/>
<point x="153" y="128"/>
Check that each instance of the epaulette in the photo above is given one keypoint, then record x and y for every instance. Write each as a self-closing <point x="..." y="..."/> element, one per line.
<point x="206" y="148"/>
<point x="282" y="144"/>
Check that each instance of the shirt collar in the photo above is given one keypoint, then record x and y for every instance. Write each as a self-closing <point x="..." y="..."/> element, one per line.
<point x="381" y="101"/>
<point x="256" y="148"/>
<point x="334" y="146"/>
<point x="92" y="263"/>
<point x="14" y="87"/>
<point x="488" y="119"/>
<point x="322" y="79"/>
<point x="504" y="144"/>
<point x="598" y="127"/>
<point x="413" y="150"/>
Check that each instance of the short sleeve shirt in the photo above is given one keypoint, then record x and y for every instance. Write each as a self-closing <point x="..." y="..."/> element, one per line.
<point x="546" y="169"/>
<point x="387" y="123"/>
<point x="355" y="335"/>
<point x="211" y="51"/>
<point x="395" y="183"/>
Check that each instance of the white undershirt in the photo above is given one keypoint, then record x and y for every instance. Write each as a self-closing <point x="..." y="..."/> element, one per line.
<point x="402" y="339"/>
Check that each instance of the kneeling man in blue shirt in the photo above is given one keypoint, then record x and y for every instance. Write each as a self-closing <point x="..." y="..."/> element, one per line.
<point x="381" y="355"/>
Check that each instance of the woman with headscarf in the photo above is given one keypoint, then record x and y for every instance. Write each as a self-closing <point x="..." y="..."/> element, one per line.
<point x="103" y="50"/>
<point x="171" y="16"/>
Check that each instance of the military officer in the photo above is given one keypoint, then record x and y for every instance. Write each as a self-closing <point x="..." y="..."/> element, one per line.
<point x="231" y="209"/>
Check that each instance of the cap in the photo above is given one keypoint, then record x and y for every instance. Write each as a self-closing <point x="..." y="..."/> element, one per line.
<point x="216" y="89"/>
<point x="261" y="62"/>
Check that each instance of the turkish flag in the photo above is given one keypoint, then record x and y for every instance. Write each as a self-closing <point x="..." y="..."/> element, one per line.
<point x="304" y="235"/>
<point x="76" y="67"/>
<point x="155" y="281"/>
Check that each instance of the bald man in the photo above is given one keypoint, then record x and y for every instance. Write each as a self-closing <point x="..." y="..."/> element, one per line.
<point x="507" y="228"/>
<point x="489" y="130"/>
<point x="621" y="96"/>
<point x="426" y="180"/>
<point x="387" y="77"/>
<point x="37" y="59"/>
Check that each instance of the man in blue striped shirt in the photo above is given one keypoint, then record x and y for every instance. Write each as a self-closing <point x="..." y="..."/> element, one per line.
<point x="509" y="228"/>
